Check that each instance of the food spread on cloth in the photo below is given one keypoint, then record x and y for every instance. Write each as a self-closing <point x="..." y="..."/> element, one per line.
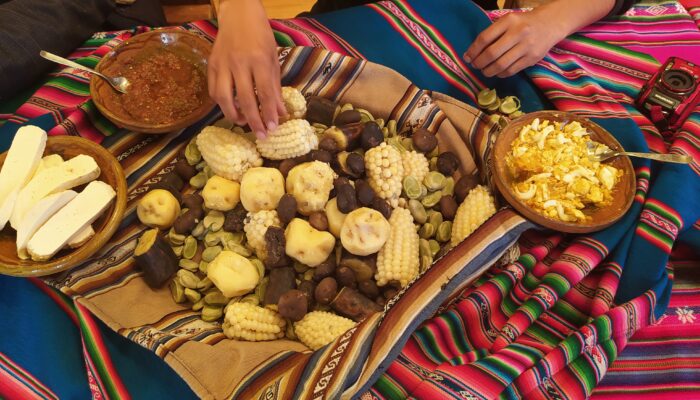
<point x="308" y="231"/>
<point x="38" y="199"/>
<point x="163" y="86"/>
<point x="553" y="173"/>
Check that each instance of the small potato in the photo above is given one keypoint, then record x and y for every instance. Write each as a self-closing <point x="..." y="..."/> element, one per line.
<point x="335" y="217"/>
<point x="319" y="221"/>
<point x="261" y="189"/>
<point x="307" y="245"/>
<point x="308" y="288"/>
<point x="346" y="277"/>
<point x="310" y="183"/>
<point x="364" y="231"/>
<point x="287" y="208"/>
<point x="325" y="269"/>
<point x="158" y="209"/>
<point x="369" y="288"/>
<point x="221" y="194"/>
<point x="233" y="274"/>
<point x="293" y="305"/>
<point x="326" y="290"/>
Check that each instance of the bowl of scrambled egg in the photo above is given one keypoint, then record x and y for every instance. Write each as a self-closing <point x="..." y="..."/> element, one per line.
<point x="542" y="167"/>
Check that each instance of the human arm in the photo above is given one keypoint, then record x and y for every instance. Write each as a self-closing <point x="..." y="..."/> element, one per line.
<point x="244" y="60"/>
<point x="28" y="26"/>
<point x="519" y="40"/>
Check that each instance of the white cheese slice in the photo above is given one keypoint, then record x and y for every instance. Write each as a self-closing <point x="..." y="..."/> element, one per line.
<point x="81" y="237"/>
<point x="21" y="162"/>
<point x="38" y="215"/>
<point x="78" y="170"/>
<point x="75" y="216"/>
<point x="50" y="161"/>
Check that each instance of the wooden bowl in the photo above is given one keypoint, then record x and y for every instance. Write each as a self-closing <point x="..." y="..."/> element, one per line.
<point x="105" y="226"/>
<point x="623" y="192"/>
<point x="192" y="47"/>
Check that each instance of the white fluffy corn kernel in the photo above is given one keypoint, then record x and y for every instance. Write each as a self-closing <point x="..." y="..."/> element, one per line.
<point x="476" y="208"/>
<point x="245" y="321"/>
<point x="255" y="226"/>
<point x="228" y="154"/>
<point x="294" y="102"/>
<point x="385" y="171"/>
<point x="398" y="260"/>
<point x="318" y="328"/>
<point x="291" y="139"/>
<point x="415" y="164"/>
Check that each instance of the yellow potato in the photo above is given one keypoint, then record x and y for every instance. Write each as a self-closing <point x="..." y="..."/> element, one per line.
<point x="158" y="209"/>
<point x="221" y="194"/>
<point x="261" y="189"/>
<point x="306" y="244"/>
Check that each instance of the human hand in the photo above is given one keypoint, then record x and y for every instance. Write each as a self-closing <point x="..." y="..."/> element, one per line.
<point x="513" y="43"/>
<point x="244" y="60"/>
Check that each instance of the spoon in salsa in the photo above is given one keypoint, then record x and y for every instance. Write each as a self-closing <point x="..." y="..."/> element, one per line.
<point x="119" y="83"/>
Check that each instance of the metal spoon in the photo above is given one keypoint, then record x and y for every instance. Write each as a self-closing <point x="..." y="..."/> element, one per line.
<point x="119" y="83"/>
<point x="594" y="154"/>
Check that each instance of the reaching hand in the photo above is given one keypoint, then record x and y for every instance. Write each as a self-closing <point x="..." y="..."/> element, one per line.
<point x="244" y="61"/>
<point x="513" y="43"/>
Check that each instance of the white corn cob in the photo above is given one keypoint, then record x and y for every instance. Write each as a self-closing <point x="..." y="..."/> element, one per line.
<point x="476" y="208"/>
<point x="318" y="328"/>
<point x="415" y="164"/>
<point x="398" y="259"/>
<point x="294" y="102"/>
<point x="228" y="154"/>
<point x="255" y="226"/>
<point x="385" y="171"/>
<point x="293" y="138"/>
<point x="245" y="321"/>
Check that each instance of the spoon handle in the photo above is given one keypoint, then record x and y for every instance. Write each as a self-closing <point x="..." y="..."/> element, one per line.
<point x="674" y="158"/>
<point x="65" y="61"/>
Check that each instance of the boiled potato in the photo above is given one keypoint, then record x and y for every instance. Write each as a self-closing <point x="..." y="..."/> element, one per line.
<point x="310" y="183"/>
<point x="306" y="244"/>
<point x="221" y="194"/>
<point x="364" y="231"/>
<point x="233" y="274"/>
<point x="158" y="209"/>
<point x="335" y="217"/>
<point x="261" y="189"/>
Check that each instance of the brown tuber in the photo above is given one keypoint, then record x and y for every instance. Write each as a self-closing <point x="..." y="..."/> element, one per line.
<point x="369" y="288"/>
<point x="293" y="305"/>
<point x="326" y="290"/>
<point x="346" y="277"/>
<point x="321" y="155"/>
<point x="235" y="219"/>
<point x="275" y="255"/>
<point x="347" y="117"/>
<point x="186" y="222"/>
<point x="308" y="288"/>
<point x="320" y="110"/>
<point x="287" y="208"/>
<point x="365" y="193"/>
<point x="328" y="144"/>
<point x="464" y="185"/>
<point x="448" y="207"/>
<point x="423" y="140"/>
<point x="281" y="280"/>
<point x="319" y="220"/>
<point x="155" y="258"/>
<point x="184" y="169"/>
<point x="447" y="163"/>
<point x="287" y="165"/>
<point x="354" y="305"/>
<point x="325" y="269"/>
<point x="382" y="206"/>
<point x="364" y="267"/>
<point x="371" y="136"/>
<point x="345" y="137"/>
<point x="346" y="198"/>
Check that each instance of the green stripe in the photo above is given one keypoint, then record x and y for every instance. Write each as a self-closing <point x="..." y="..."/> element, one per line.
<point x="426" y="340"/>
<point x="663" y="212"/>
<point x="667" y="241"/>
<point x="388" y="389"/>
<point x="96" y="358"/>
<point x="283" y="39"/>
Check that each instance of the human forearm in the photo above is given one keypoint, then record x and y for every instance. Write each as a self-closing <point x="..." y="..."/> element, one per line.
<point x="568" y="16"/>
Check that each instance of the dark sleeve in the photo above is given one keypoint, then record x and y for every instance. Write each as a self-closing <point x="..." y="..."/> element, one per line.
<point x="28" y="26"/>
<point x="621" y="7"/>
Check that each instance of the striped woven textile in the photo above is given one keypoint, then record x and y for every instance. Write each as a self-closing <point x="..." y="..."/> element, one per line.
<point x="544" y="326"/>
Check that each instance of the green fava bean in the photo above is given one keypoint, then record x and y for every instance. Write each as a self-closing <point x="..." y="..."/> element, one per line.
<point x="486" y="97"/>
<point x="417" y="211"/>
<point x="210" y="253"/>
<point x="189" y="265"/>
<point x="192" y="153"/>
<point x="211" y="313"/>
<point x="203" y="266"/>
<point x="214" y="220"/>
<point x="198" y="181"/>
<point x="175" y="239"/>
<point x="216" y="299"/>
<point x="424" y="247"/>
<point x="425" y="263"/>
<point x="444" y="232"/>
<point x="192" y="296"/>
<point x="198" y="305"/>
<point x="412" y="187"/>
<point x="189" y="249"/>
<point x="434" y="181"/>
<point x="449" y="188"/>
<point x="434" y="247"/>
<point x="177" y="291"/>
<point x="426" y="231"/>
<point x="431" y="199"/>
<point x="435" y="217"/>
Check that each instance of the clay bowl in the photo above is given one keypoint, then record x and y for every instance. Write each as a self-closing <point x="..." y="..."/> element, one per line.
<point x="191" y="47"/>
<point x="105" y="226"/>
<point x="623" y="192"/>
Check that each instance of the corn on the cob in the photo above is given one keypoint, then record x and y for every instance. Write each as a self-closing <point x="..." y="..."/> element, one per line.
<point x="246" y="321"/>
<point x="228" y="154"/>
<point x="476" y="208"/>
<point x="415" y="164"/>
<point x="318" y="328"/>
<point x="398" y="259"/>
<point x="256" y="225"/>
<point x="291" y="139"/>
<point x="385" y="171"/>
<point x="294" y="102"/>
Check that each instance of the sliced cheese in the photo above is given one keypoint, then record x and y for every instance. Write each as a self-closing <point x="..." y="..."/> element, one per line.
<point x="75" y="216"/>
<point x="74" y="172"/>
<point x="81" y="237"/>
<point x="38" y="215"/>
<point x="19" y="166"/>
<point x="50" y="161"/>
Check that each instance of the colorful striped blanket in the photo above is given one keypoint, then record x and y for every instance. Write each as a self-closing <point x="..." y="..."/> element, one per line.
<point x="548" y="325"/>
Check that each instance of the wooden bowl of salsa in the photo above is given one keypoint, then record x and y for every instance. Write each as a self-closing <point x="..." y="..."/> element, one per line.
<point x="167" y="71"/>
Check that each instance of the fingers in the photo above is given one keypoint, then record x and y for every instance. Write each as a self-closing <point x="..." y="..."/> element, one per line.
<point x="516" y="67"/>
<point x="485" y="38"/>
<point x="269" y="95"/>
<point x="505" y="61"/>
<point x="248" y="101"/>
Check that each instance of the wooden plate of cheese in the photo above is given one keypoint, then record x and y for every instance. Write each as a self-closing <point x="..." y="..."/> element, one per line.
<point x="61" y="199"/>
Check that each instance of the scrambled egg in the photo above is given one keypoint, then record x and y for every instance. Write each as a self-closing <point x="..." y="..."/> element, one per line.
<point x="553" y="173"/>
